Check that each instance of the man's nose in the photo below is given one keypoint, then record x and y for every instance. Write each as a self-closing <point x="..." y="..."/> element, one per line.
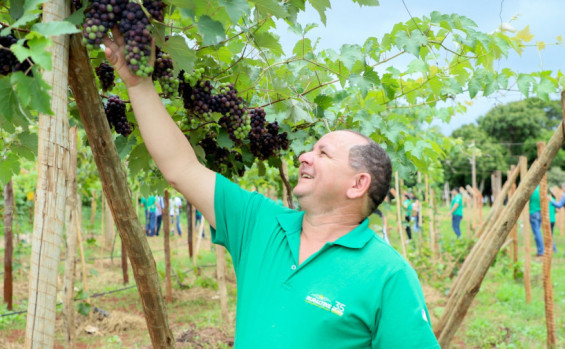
<point x="305" y="157"/>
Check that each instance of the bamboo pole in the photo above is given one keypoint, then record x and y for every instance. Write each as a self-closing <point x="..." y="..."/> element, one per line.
<point x="114" y="184"/>
<point x="547" y="254"/>
<point x="82" y="259"/>
<point x="8" y="242"/>
<point x="431" y="211"/>
<point x="93" y="208"/>
<point x="71" y="235"/>
<point x="51" y="189"/>
<point x="221" y="276"/>
<point x="523" y="164"/>
<point x="399" y="215"/>
<point x="474" y="272"/>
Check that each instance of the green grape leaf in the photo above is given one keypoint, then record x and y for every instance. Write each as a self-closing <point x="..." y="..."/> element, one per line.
<point x="76" y="17"/>
<point x="296" y="112"/>
<point x="33" y="91"/>
<point x="321" y="6"/>
<point x="212" y="31"/>
<point x="16" y="9"/>
<point x="412" y="43"/>
<point x="524" y="82"/>
<point x="351" y="54"/>
<point x="269" y="41"/>
<point x="10" y="104"/>
<point x="270" y="7"/>
<point x="302" y="47"/>
<point x="10" y="166"/>
<point x="183" y="57"/>
<point x="323" y="101"/>
<point x="545" y="88"/>
<point x="37" y="50"/>
<point x="235" y="8"/>
<point x="55" y="28"/>
<point x="224" y="140"/>
<point x="367" y="2"/>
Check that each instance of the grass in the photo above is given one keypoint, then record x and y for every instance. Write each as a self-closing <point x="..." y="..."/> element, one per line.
<point x="499" y="316"/>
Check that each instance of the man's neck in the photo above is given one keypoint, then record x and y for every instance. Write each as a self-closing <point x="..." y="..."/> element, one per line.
<point x="328" y="227"/>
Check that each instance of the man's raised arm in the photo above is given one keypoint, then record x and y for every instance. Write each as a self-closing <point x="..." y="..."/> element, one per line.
<point x="166" y="143"/>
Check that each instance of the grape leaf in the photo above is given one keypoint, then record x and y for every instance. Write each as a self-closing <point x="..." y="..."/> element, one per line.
<point x="10" y="103"/>
<point x="55" y="28"/>
<point x="321" y="6"/>
<point x="270" y="7"/>
<point x="545" y="88"/>
<point x="269" y="41"/>
<point x="37" y="50"/>
<point x="10" y="166"/>
<point x="323" y="101"/>
<point x="367" y="2"/>
<point x="212" y="31"/>
<point x="16" y="9"/>
<point x="351" y="54"/>
<point x="76" y="17"/>
<point x="224" y="140"/>
<point x="33" y="92"/>
<point x="183" y="57"/>
<point x="524" y="82"/>
<point x="235" y="8"/>
<point x="412" y="43"/>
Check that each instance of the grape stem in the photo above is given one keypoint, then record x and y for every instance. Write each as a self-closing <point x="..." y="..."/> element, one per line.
<point x="287" y="186"/>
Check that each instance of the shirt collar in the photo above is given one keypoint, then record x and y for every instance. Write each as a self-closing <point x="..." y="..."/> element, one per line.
<point x="291" y="223"/>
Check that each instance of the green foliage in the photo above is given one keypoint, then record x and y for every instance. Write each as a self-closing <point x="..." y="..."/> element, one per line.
<point x="83" y="308"/>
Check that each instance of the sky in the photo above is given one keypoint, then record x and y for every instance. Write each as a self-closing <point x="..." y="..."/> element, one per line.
<point x="348" y="23"/>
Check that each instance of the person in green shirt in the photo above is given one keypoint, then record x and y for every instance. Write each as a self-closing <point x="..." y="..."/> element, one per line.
<point x="535" y="220"/>
<point x="456" y="211"/>
<point x="407" y="204"/>
<point x="315" y="278"/>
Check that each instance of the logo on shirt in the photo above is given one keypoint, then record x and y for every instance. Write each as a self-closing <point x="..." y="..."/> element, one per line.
<point x="325" y="303"/>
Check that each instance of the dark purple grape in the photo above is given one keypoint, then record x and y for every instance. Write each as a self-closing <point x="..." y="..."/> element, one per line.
<point x="116" y="114"/>
<point x="105" y="74"/>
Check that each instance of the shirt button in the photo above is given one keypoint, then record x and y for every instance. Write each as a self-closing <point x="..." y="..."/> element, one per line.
<point x="293" y="267"/>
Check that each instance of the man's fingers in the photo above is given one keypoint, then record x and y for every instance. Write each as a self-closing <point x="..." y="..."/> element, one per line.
<point x="118" y="37"/>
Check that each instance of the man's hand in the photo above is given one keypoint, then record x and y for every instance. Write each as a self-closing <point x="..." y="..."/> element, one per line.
<point x="114" y="51"/>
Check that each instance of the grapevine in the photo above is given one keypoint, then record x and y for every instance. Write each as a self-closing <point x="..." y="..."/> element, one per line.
<point x="8" y="61"/>
<point x="163" y="72"/>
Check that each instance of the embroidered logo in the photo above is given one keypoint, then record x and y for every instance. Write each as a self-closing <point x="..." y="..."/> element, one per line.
<point x="325" y="303"/>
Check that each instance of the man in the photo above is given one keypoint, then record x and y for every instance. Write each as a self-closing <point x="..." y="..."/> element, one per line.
<point x="175" y="205"/>
<point x="160" y="206"/>
<point x="456" y="211"/>
<point x="316" y="278"/>
<point x="407" y="204"/>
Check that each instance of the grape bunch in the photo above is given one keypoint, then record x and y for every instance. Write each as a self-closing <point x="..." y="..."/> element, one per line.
<point x="134" y="25"/>
<point x="116" y="114"/>
<point x="8" y="61"/>
<point x="77" y="4"/>
<point x="163" y="72"/>
<point x="222" y="160"/>
<point x="265" y="139"/>
<point x="101" y="17"/>
<point x="156" y="9"/>
<point x="105" y="74"/>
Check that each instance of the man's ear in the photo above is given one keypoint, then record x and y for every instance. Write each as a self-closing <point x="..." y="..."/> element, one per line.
<point x="359" y="186"/>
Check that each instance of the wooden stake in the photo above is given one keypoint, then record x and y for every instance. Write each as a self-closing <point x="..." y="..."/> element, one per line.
<point x="166" y="234"/>
<point x="526" y="232"/>
<point x="399" y="215"/>
<point x="93" y="208"/>
<point x="115" y="187"/>
<point x="71" y="235"/>
<point x="8" y="242"/>
<point x="82" y="259"/>
<point x="221" y="276"/>
<point x="547" y="254"/>
<point x="514" y="231"/>
<point x="475" y="268"/>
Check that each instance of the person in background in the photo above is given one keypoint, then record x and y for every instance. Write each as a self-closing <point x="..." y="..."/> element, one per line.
<point x="175" y="205"/>
<point x="151" y="207"/>
<point x="379" y="213"/>
<point x="415" y="213"/>
<point x="160" y="206"/>
<point x="456" y="211"/>
<point x="143" y="202"/>
<point x="407" y="204"/>
<point x="535" y="220"/>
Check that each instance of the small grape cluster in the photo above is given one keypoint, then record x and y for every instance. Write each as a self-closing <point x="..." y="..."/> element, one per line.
<point x="8" y="61"/>
<point x="221" y="159"/>
<point x="101" y="17"/>
<point x="163" y="72"/>
<point x="116" y="114"/>
<point x="156" y="9"/>
<point x="265" y="139"/>
<point x="134" y="25"/>
<point x="77" y="4"/>
<point x="105" y="74"/>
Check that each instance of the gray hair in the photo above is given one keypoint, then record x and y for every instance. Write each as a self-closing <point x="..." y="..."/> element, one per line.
<point x="372" y="158"/>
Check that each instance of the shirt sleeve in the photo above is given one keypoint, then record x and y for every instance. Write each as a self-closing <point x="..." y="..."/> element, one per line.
<point x="236" y="212"/>
<point x="403" y="321"/>
<point x="560" y="203"/>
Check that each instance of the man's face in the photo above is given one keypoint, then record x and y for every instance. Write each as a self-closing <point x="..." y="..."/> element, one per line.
<point x="324" y="172"/>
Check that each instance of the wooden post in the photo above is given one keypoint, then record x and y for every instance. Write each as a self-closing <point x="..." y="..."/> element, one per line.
<point x="8" y="242"/>
<point x="221" y="276"/>
<point x="399" y="215"/>
<point x="115" y="186"/>
<point x="467" y="200"/>
<point x="82" y="259"/>
<point x="71" y="234"/>
<point x="475" y="268"/>
<point x="547" y="254"/>
<point x="526" y="232"/>
<point x="190" y="226"/>
<point x="93" y="208"/>
<point x="446" y="194"/>
<point x="196" y="233"/>
<point x="110" y="232"/>
<point x="102" y="224"/>
<point x="166" y="235"/>
<point x="49" y="214"/>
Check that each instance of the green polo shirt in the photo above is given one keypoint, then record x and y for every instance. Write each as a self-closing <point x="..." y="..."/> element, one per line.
<point x="408" y="204"/>
<point x="551" y="210"/>
<point x="356" y="292"/>
<point x="535" y="205"/>
<point x="151" y="207"/>
<point x="457" y="199"/>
